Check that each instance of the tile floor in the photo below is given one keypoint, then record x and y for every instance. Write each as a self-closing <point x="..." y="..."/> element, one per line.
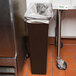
<point x="68" y="53"/>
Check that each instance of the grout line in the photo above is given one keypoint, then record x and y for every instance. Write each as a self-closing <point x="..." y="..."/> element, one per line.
<point x="52" y="60"/>
<point x="64" y="44"/>
<point x="71" y="56"/>
<point x="74" y="56"/>
<point x="49" y="62"/>
<point x="70" y="44"/>
<point x="73" y="70"/>
<point x="27" y="68"/>
<point x="63" y="57"/>
<point x="74" y="53"/>
<point x="68" y="56"/>
<point x="74" y="45"/>
<point x="63" y="51"/>
<point x="65" y="72"/>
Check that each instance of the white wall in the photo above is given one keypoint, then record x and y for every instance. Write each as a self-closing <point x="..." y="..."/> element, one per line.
<point x="68" y="25"/>
<point x="68" y="22"/>
<point x="32" y="1"/>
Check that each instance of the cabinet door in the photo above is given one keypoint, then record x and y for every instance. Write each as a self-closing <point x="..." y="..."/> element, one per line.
<point x="6" y="31"/>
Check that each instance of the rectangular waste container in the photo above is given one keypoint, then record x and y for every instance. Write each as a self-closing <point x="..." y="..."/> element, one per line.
<point x="38" y="46"/>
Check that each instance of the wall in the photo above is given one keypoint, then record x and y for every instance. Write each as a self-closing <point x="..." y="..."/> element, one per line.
<point x="68" y="22"/>
<point x="68" y="19"/>
<point x="68" y="25"/>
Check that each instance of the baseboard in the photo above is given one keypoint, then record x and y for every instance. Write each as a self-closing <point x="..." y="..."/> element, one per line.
<point x="51" y="40"/>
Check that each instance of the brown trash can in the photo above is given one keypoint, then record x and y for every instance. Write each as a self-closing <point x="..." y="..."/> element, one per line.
<point x="38" y="46"/>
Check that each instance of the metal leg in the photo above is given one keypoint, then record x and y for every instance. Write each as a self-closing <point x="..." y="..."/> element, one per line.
<point x="56" y="31"/>
<point x="61" y="64"/>
<point x="59" y="32"/>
